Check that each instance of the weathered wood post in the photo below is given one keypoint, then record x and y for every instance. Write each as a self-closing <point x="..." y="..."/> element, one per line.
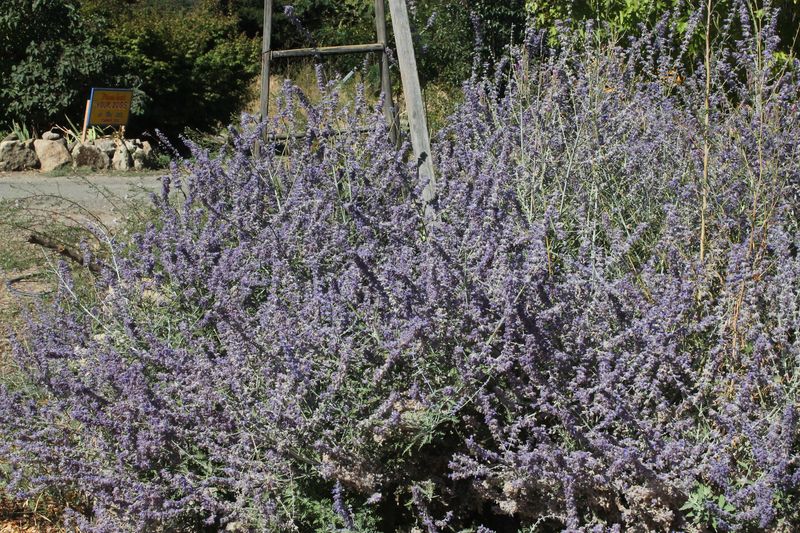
<point x="386" y="80"/>
<point x="266" y="58"/>
<point x="420" y="140"/>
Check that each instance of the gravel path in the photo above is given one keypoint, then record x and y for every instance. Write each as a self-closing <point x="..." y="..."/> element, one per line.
<point x="100" y="194"/>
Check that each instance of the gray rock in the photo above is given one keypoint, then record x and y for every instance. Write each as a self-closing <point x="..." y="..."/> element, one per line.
<point x="11" y="137"/>
<point x="106" y="145"/>
<point x="3" y="166"/>
<point x="139" y="159"/>
<point x="122" y="159"/>
<point x="18" y="155"/>
<point x="144" y="156"/>
<point x="84" y="155"/>
<point x="130" y="145"/>
<point x="51" y="136"/>
<point x="63" y="141"/>
<point x="147" y="148"/>
<point x="52" y="154"/>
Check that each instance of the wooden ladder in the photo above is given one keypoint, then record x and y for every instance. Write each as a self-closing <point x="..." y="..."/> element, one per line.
<point x="268" y="55"/>
<point x="417" y="122"/>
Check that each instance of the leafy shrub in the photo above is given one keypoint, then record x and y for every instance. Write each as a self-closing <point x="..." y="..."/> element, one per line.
<point x="598" y="328"/>
<point x="448" y="34"/>
<point x="51" y="57"/>
<point x="625" y="17"/>
<point x="190" y="65"/>
<point x="444" y="29"/>
<point x="21" y="131"/>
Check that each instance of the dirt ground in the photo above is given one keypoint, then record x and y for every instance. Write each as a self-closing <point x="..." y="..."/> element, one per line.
<point x="23" y="280"/>
<point x="102" y="195"/>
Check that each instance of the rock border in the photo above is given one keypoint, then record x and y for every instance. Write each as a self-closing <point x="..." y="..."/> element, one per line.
<point x="53" y="152"/>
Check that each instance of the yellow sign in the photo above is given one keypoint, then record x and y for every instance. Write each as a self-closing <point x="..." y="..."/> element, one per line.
<point x="110" y="107"/>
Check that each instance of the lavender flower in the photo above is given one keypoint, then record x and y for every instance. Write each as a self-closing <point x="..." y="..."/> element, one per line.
<point x="550" y="351"/>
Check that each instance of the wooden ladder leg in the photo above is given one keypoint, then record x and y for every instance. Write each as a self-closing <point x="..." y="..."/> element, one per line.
<point x="266" y="57"/>
<point x="386" y="80"/>
<point x="417" y="123"/>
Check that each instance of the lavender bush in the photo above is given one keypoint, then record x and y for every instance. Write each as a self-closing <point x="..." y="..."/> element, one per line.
<point x="598" y="329"/>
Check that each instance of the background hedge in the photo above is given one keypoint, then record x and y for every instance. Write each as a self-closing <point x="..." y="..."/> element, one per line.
<point x="194" y="63"/>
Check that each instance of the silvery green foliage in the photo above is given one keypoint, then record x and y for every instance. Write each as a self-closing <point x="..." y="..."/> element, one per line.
<point x="292" y="345"/>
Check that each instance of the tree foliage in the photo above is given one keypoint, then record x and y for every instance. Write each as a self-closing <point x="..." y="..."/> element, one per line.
<point x="51" y="56"/>
<point x="189" y="63"/>
<point x="626" y="17"/>
<point x="444" y="29"/>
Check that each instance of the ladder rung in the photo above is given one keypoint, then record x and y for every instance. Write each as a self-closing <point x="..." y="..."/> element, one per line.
<point x="328" y="50"/>
<point x="287" y="136"/>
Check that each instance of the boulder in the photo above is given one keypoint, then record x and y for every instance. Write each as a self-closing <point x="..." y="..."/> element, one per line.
<point x="106" y="145"/>
<point x="18" y="155"/>
<point x="147" y="148"/>
<point x="11" y="137"/>
<point x="122" y="159"/>
<point x="52" y="154"/>
<point x="84" y="155"/>
<point x="143" y="156"/>
<point x="139" y="159"/>
<point x="51" y="136"/>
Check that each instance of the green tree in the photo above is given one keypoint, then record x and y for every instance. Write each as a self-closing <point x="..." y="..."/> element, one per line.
<point x="190" y="64"/>
<point x="51" y="58"/>
<point x="451" y="32"/>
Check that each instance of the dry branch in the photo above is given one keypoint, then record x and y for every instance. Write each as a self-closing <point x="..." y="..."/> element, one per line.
<point x="65" y="251"/>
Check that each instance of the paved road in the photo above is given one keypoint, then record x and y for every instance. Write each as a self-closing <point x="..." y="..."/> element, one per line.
<point x="103" y="195"/>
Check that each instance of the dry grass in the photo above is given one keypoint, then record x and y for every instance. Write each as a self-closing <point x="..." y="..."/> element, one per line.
<point x="23" y="279"/>
<point x="27" y="278"/>
<point x="26" y="517"/>
<point x="440" y="100"/>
